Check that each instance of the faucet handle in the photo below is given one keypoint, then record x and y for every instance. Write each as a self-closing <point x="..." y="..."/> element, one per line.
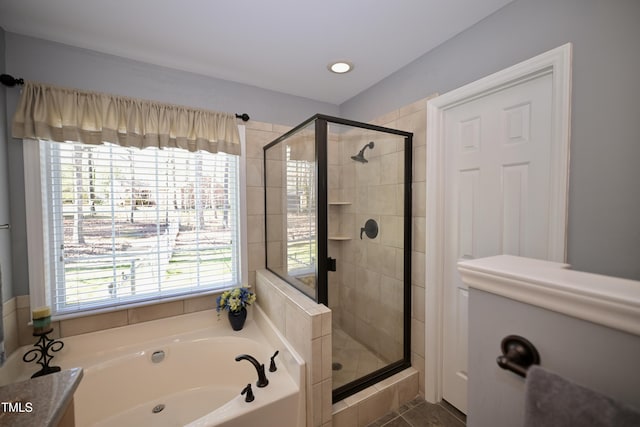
<point x="273" y="367"/>
<point x="247" y="390"/>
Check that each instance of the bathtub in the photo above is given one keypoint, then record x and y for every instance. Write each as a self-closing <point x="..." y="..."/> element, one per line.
<point x="181" y="371"/>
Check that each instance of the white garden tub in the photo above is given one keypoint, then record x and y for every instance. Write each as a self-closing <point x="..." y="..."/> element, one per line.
<point x="197" y="382"/>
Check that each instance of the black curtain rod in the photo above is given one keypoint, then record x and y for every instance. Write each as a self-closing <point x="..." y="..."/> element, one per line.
<point x="11" y="81"/>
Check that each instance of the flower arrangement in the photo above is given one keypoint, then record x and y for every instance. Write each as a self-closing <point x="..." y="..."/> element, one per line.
<point x="235" y="300"/>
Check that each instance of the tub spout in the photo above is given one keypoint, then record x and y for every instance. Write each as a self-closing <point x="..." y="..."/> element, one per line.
<point x="262" y="378"/>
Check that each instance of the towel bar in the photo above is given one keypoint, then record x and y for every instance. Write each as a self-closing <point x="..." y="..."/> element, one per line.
<point x="517" y="355"/>
<point x="4" y="226"/>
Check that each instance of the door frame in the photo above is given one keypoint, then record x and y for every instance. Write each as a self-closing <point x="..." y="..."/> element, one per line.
<point x="557" y="63"/>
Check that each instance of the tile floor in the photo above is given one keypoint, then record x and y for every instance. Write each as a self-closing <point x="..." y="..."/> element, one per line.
<point x="354" y="358"/>
<point x="419" y="413"/>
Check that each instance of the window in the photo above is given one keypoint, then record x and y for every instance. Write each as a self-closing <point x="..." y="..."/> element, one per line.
<point x="124" y="225"/>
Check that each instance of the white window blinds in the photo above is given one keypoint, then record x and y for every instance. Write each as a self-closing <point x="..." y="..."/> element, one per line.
<point x="124" y="225"/>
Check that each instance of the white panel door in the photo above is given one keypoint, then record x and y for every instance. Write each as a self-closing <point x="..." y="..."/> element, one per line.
<point x="497" y="198"/>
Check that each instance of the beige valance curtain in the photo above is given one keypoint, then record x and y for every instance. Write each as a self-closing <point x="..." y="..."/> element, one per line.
<point x="61" y="114"/>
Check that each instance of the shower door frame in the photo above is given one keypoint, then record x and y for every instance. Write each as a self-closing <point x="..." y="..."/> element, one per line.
<point x="322" y="122"/>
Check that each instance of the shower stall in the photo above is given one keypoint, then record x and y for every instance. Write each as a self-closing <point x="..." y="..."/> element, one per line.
<point x="338" y="228"/>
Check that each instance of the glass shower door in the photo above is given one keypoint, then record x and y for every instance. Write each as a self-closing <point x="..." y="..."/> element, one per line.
<point x="366" y="237"/>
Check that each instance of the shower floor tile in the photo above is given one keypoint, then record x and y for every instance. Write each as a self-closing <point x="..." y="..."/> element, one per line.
<point x="354" y="359"/>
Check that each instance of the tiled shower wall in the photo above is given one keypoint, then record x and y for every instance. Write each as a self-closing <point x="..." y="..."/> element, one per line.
<point x="413" y="118"/>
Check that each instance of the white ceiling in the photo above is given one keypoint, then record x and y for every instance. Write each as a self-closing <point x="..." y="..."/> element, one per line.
<point x="281" y="45"/>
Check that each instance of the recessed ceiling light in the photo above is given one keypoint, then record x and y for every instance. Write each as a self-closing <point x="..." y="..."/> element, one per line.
<point x="340" y="67"/>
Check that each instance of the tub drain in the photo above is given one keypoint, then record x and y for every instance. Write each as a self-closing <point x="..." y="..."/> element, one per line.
<point x="158" y="408"/>
<point x="336" y="366"/>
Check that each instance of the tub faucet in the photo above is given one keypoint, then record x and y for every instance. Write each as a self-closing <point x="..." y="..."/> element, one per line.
<point x="262" y="378"/>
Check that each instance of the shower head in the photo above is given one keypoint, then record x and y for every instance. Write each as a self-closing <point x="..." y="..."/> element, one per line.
<point x="360" y="156"/>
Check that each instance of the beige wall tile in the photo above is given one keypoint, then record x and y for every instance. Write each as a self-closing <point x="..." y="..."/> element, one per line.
<point x="298" y="329"/>
<point x="25" y="332"/>
<point x="255" y="174"/>
<point x="274" y="200"/>
<point x="9" y="306"/>
<point x="415" y="123"/>
<point x="417" y="337"/>
<point x="153" y="312"/>
<point x="408" y="388"/>
<point x="400" y="264"/>
<point x="316" y="402"/>
<point x="389" y="168"/>
<point x="98" y="322"/>
<point x="252" y="278"/>
<point x="255" y="201"/>
<point x="272" y="302"/>
<point x="417" y="298"/>
<point x="256" y="256"/>
<point x="361" y="396"/>
<point x="274" y="227"/>
<point x="346" y="416"/>
<point x="418" y="268"/>
<point x="256" y="139"/>
<point x="417" y="362"/>
<point x="420" y="105"/>
<point x="326" y="401"/>
<point x="206" y="302"/>
<point x="274" y="173"/>
<point x="255" y="232"/>
<point x="281" y="129"/>
<point x="275" y="252"/>
<point x="375" y="406"/>
<point x="419" y="159"/>
<point x="384" y="120"/>
<point x="419" y="195"/>
<point x="316" y="358"/>
<point x="419" y="243"/>
<point x="326" y="357"/>
<point x="254" y="125"/>
<point x="10" y="325"/>
<point x="392" y="231"/>
<point x="326" y="323"/>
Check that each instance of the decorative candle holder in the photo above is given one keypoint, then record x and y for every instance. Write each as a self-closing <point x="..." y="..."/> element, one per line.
<point x="41" y="353"/>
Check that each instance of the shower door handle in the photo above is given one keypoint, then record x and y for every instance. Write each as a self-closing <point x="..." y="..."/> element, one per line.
<point x="331" y="264"/>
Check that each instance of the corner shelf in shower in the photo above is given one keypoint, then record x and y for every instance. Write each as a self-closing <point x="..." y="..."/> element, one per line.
<point x="341" y="238"/>
<point x="338" y="237"/>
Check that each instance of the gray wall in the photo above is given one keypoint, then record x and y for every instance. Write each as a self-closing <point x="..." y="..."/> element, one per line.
<point x="6" y="291"/>
<point x="54" y="63"/>
<point x="597" y="357"/>
<point x="604" y="206"/>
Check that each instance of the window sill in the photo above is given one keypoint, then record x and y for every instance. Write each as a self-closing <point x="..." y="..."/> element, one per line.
<point x="113" y="317"/>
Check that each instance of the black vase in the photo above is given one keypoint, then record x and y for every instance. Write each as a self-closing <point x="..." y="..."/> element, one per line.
<point x="237" y="318"/>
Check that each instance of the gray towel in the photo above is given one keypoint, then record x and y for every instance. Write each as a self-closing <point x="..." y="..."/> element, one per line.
<point x="553" y="401"/>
